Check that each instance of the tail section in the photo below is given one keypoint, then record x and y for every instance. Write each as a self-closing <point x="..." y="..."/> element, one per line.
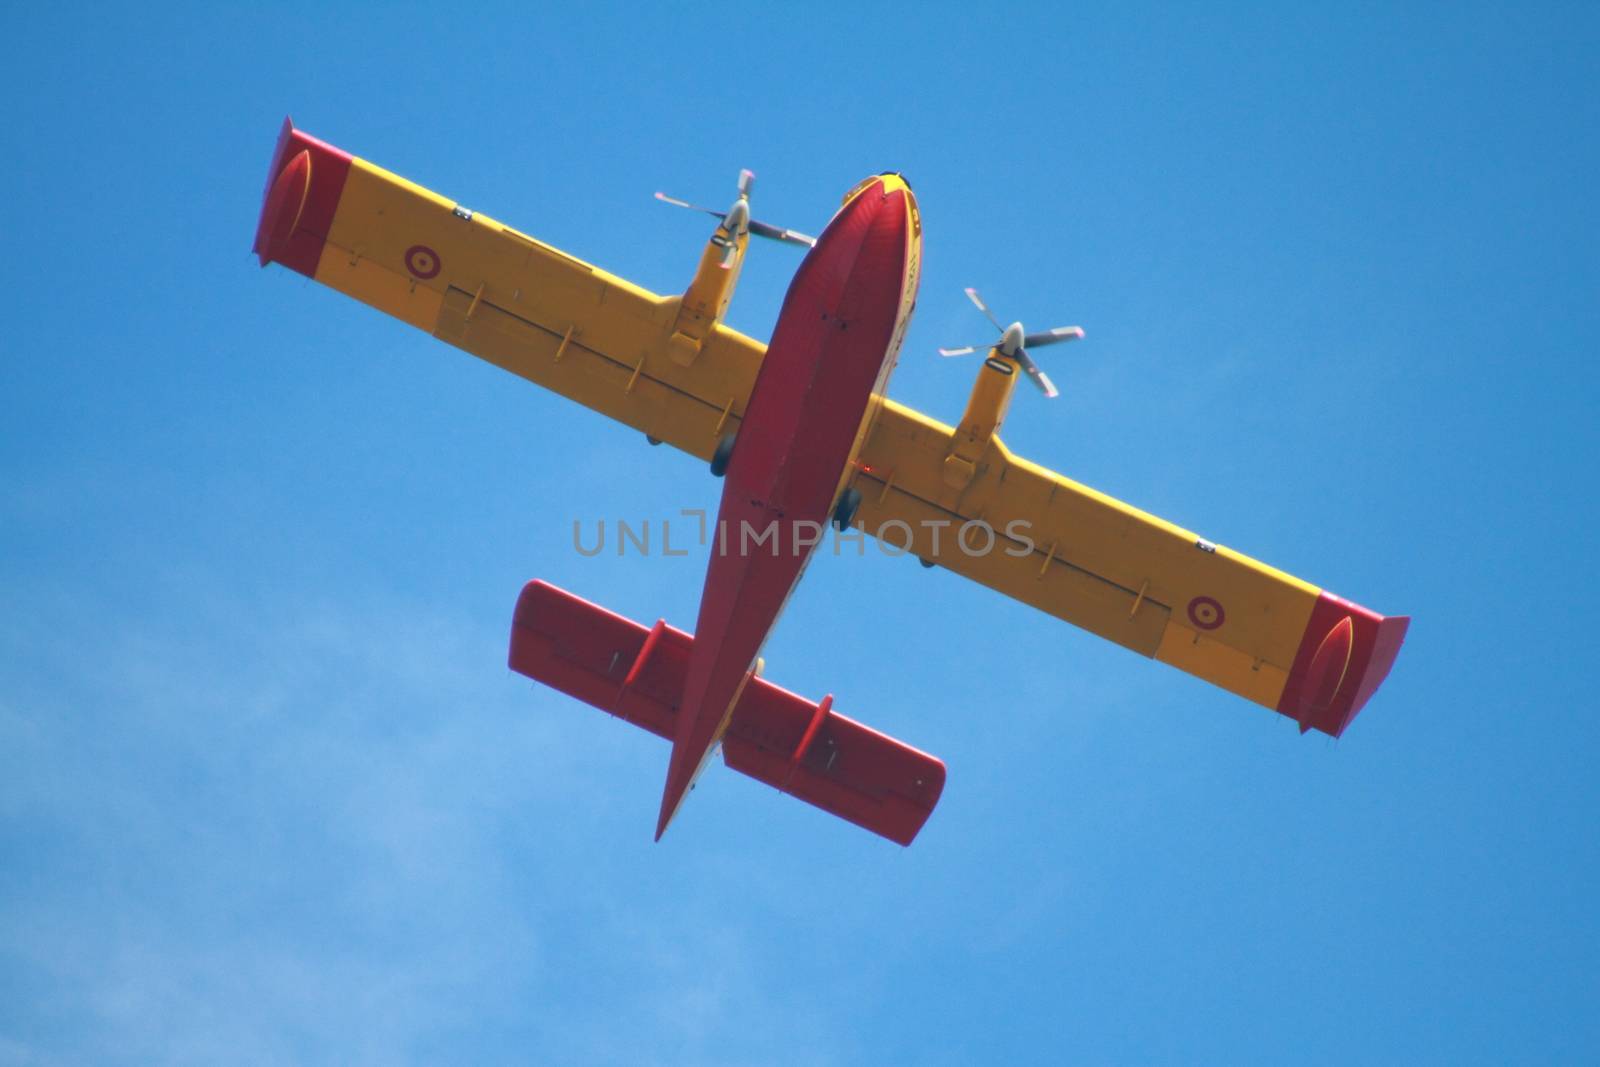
<point x="799" y="747"/>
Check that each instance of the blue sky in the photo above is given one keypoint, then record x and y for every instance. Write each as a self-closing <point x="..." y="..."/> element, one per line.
<point x="268" y="793"/>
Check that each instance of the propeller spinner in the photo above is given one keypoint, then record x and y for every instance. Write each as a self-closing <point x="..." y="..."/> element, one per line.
<point x="1014" y="343"/>
<point x="737" y="221"/>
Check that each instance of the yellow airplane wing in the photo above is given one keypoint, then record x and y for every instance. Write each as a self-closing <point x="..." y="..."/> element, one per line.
<point x="665" y="366"/>
<point x="646" y="360"/>
<point x="972" y="506"/>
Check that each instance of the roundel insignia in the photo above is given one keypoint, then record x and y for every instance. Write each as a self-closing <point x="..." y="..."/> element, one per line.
<point x="422" y="261"/>
<point x="1206" y="613"/>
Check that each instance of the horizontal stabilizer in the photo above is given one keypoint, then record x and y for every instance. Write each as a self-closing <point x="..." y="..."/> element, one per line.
<point x="802" y="748"/>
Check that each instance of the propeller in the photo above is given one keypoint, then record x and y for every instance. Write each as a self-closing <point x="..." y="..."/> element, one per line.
<point x="1014" y="343"/>
<point x="736" y="220"/>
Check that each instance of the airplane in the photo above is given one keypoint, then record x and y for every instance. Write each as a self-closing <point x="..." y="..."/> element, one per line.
<point x="803" y="435"/>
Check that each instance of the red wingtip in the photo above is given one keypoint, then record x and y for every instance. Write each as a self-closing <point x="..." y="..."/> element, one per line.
<point x="1345" y="654"/>
<point x="280" y="153"/>
<point x="281" y="211"/>
<point x="304" y="182"/>
<point x="1385" y="650"/>
<point x="1329" y="665"/>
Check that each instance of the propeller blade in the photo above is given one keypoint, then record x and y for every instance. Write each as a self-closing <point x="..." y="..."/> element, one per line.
<point x="972" y="295"/>
<point x="1053" y="337"/>
<point x="778" y="233"/>
<point x="675" y="202"/>
<point x="1037" y="376"/>
<point x="967" y="351"/>
<point x="747" y="181"/>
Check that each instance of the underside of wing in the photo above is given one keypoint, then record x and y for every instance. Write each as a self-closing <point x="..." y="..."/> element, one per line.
<point x="501" y="295"/>
<point x="1127" y="576"/>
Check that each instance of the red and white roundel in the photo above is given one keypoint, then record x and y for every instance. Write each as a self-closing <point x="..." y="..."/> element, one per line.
<point x="1206" y="613"/>
<point x="422" y="261"/>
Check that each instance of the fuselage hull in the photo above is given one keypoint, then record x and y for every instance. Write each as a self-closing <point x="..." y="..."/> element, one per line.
<point x="832" y="350"/>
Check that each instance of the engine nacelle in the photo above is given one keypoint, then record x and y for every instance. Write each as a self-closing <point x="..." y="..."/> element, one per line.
<point x="986" y="410"/>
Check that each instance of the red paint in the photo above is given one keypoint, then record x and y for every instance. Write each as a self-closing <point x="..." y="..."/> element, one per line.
<point x="643" y="658"/>
<point x="297" y="242"/>
<point x="285" y="203"/>
<point x="1320" y="696"/>
<point x="828" y="353"/>
<point x="1328" y="667"/>
<point x="423" y="262"/>
<point x="842" y="767"/>
<point x="1206" y="612"/>
<point x="817" y="719"/>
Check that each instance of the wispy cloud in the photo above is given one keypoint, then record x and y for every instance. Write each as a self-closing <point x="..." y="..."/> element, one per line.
<point x="273" y="838"/>
<point x="296" y="831"/>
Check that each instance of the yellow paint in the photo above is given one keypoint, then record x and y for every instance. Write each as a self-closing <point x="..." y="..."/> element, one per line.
<point x="383" y="289"/>
<point x="1094" y="561"/>
<point x="722" y="421"/>
<point x="958" y="474"/>
<point x="608" y="344"/>
<point x="986" y="410"/>
<point x="1221" y="665"/>
<point x="536" y="311"/>
<point x="566" y="339"/>
<point x="706" y="300"/>
<point x="683" y="348"/>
